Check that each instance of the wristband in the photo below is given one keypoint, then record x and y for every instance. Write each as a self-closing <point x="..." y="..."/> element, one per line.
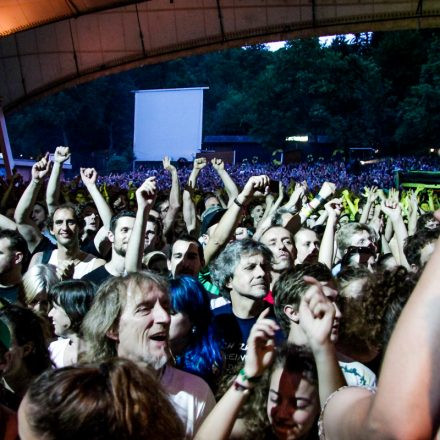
<point x="240" y="387"/>
<point x="307" y="210"/>
<point x="240" y="205"/>
<point x="245" y="377"/>
<point x="37" y="182"/>
<point x="319" y="198"/>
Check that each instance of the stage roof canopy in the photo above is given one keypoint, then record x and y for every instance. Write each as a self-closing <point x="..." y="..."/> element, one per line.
<point x="47" y="45"/>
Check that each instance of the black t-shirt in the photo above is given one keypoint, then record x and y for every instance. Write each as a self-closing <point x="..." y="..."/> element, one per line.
<point x="97" y="276"/>
<point x="233" y="332"/>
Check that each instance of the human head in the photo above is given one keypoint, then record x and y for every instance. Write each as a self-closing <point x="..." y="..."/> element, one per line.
<point x="70" y="299"/>
<point x="129" y="318"/>
<point x="14" y="252"/>
<point x="209" y="200"/>
<point x="285" y="403"/>
<point x="291" y="287"/>
<point x="307" y="246"/>
<point x="65" y="224"/>
<point x="92" y="221"/>
<point x="355" y="234"/>
<point x="224" y="267"/>
<point x="156" y="262"/>
<point x="279" y="241"/>
<point x="420" y="246"/>
<point x="39" y="214"/>
<point x="190" y="310"/>
<point x="114" y="400"/>
<point x="37" y="282"/>
<point x="210" y="218"/>
<point x="121" y="226"/>
<point x="28" y="355"/>
<point x="186" y="257"/>
<point x="162" y="205"/>
<point x="153" y="234"/>
<point x="256" y="211"/>
<point x="427" y="221"/>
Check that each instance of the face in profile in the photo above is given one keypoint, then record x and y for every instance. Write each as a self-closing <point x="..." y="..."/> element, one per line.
<point x="292" y="405"/>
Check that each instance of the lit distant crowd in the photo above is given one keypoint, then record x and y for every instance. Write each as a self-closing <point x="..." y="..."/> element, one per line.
<point x="207" y="301"/>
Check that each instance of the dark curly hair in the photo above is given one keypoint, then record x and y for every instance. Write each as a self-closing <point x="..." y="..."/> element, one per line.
<point x="373" y="316"/>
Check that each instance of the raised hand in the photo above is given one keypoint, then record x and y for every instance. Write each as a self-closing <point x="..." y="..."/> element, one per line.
<point x="65" y="270"/>
<point x="333" y="208"/>
<point x="199" y="163"/>
<point x="261" y="346"/>
<point x="61" y="154"/>
<point x="167" y="164"/>
<point x="41" y="168"/>
<point x="316" y="315"/>
<point x="218" y="164"/>
<point x="88" y="176"/>
<point x="327" y="189"/>
<point x="146" y="193"/>
<point x="391" y="208"/>
<point x="254" y="184"/>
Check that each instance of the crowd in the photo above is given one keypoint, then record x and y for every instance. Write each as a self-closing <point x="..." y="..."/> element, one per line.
<point x="289" y="302"/>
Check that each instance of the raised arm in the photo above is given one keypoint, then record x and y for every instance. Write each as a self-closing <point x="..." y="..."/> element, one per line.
<point x="189" y="208"/>
<point x="53" y="186"/>
<point x="316" y="318"/>
<point x="145" y="197"/>
<point x="326" y="250"/>
<point x="371" y="195"/>
<point x="226" y="227"/>
<point x="174" y="199"/>
<point x="89" y="176"/>
<point x="413" y="208"/>
<point x="407" y="403"/>
<point x="229" y="184"/>
<point x="260" y="354"/>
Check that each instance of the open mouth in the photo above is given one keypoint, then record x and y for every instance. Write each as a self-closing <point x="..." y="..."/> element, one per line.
<point x="160" y="337"/>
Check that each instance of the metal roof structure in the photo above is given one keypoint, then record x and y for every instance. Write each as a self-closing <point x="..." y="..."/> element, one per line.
<point x="47" y="45"/>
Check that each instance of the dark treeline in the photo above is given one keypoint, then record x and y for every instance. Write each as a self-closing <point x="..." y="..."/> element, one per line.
<point x="379" y="90"/>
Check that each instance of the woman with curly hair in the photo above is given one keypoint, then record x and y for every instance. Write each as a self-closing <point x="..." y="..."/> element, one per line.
<point x="283" y="400"/>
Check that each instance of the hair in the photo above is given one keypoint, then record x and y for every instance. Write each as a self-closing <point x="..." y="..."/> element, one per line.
<point x="16" y="242"/>
<point x="75" y="297"/>
<point x="293" y="359"/>
<point x="373" y="315"/>
<point x="190" y="239"/>
<point x="223" y="267"/>
<point x="202" y="356"/>
<point x="115" y="218"/>
<point x="83" y="206"/>
<point x="345" y="233"/>
<point x="43" y="205"/>
<point x="26" y="328"/>
<point x="158" y="223"/>
<point x="71" y="207"/>
<point x="423" y="220"/>
<point x="415" y="243"/>
<point x="109" y="303"/>
<point x="39" y="278"/>
<point x="115" y="400"/>
<point x="291" y="287"/>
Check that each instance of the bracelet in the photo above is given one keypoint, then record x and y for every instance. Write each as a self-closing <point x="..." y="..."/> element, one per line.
<point x="319" y="198"/>
<point x="307" y="210"/>
<point x="240" y="205"/>
<point x="240" y="387"/>
<point x="37" y="182"/>
<point x="245" y="377"/>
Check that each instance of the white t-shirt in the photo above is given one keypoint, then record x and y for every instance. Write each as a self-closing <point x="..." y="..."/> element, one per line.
<point x="357" y="374"/>
<point x="191" y="397"/>
<point x="57" y="349"/>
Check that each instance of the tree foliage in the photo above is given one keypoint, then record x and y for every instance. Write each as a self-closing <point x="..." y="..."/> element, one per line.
<point x="376" y="89"/>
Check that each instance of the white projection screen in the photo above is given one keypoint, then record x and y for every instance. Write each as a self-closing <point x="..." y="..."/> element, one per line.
<point x="168" y="122"/>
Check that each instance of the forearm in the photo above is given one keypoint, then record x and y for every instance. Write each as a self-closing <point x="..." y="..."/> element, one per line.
<point x="135" y="247"/>
<point x="326" y="250"/>
<point x="401" y="234"/>
<point x="330" y="377"/>
<point x="230" y="186"/>
<point x="175" y="203"/>
<point x="53" y="188"/>
<point x="192" y="180"/>
<point x="405" y="375"/>
<point x="220" y="421"/>
<point x="101" y="205"/>
<point x="412" y="221"/>
<point x="365" y="212"/>
<point x="7" y="223"/>
<point x="26" y="202"/>
<point x="189" y="212"/>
